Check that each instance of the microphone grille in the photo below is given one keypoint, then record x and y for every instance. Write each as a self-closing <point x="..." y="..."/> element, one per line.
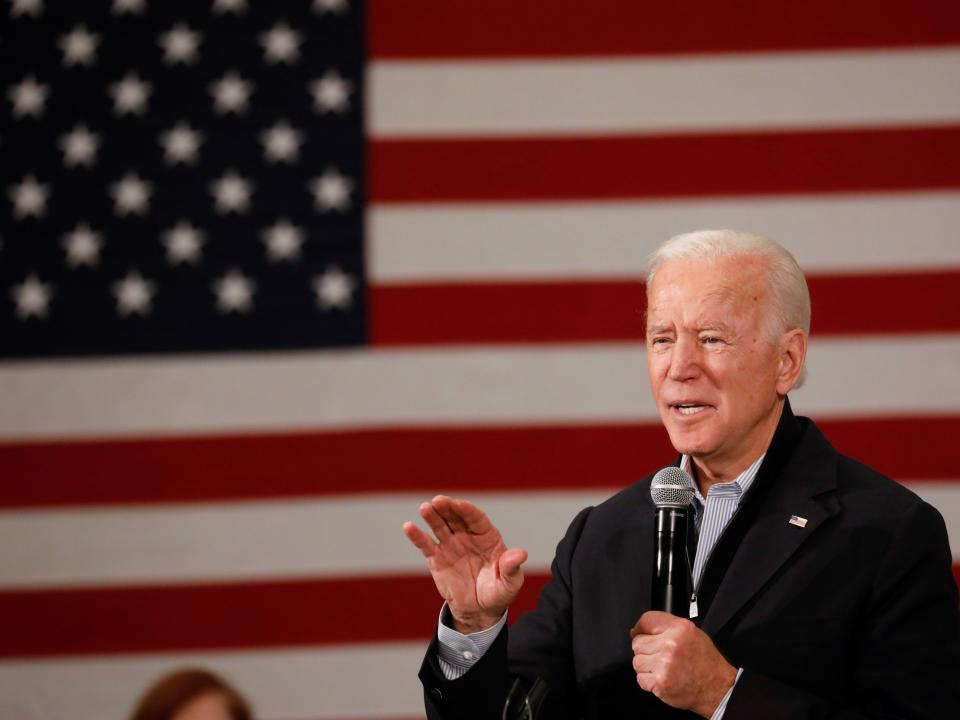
<point x="671" y="487"/>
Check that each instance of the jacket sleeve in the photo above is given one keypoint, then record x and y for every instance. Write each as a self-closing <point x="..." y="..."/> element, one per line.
<point x="538" y="645"/>
<point x="906" y="661"/>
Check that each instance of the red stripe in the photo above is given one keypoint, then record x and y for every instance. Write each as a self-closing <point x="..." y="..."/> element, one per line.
<point x="893" y="303"/>
<point x="582" y="311"/>
<point x="505" y="28"/>
<point x="661" y="166"/>
<point x="506" y="312"/>
<point x="421" y="460"/>
<point x="905" y="448"/>
<point x="225" y="615"/>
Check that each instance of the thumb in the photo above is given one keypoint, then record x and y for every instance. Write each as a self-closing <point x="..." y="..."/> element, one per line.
<point x="653" y="622"/>
<point x="510" y="562"/>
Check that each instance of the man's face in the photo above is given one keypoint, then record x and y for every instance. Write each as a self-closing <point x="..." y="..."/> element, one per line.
<point x="712" y="370"/>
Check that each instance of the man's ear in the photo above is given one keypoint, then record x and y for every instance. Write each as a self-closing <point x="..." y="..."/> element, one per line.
<point x="793" y="353"/>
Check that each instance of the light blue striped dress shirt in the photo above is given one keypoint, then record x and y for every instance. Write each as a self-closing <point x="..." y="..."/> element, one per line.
<point x="457" y="653"/>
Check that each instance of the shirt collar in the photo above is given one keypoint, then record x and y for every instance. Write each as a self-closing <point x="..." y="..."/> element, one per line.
<point x="737" y="487"/>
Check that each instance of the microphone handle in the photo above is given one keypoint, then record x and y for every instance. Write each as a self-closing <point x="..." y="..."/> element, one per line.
<point x="671" y="586"/>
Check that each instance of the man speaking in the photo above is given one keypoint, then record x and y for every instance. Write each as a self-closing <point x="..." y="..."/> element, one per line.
<point x="820" y="589"/>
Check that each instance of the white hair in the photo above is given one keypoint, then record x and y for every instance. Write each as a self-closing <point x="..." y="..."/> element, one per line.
<point x="788" y="288"/>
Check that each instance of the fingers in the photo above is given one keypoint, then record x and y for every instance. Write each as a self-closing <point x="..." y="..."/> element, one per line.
<point x="645" y="644"/>
<point x="470" y="517"/>
<point x="643" y="664"/>
<point x="451" y="512"/>
<point x="442" y="518"/>
<point x="475" y="518"/>
<point x="459" y="515"/>
<point x="446" y="517"/>
<point x="424" y="544"/>
<point x="654" y="622"/>
<point x="436" y="522"/>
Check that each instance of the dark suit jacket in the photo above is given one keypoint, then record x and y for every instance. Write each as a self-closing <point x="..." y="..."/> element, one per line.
<point x="853" y="616"/>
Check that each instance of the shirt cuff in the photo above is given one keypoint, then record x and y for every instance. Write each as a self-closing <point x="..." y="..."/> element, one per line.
<point x="457" y="652"/>
<point x="722" y="707"/>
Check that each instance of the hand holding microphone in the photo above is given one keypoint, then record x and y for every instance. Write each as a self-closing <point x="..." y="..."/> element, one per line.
<point x="672" y="657"/>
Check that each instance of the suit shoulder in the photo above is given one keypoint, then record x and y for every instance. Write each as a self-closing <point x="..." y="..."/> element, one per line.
<point x="624" y="503"/>
<point x="875" y="494"/>
<point x="855" y="481"/>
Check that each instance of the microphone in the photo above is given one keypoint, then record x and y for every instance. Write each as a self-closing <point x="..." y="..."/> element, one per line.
<point x="672" y="493"/>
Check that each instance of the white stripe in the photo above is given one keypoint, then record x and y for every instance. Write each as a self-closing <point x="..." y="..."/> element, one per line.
<point x="892" y="232"/>
<point x="275" y="540"/>
<point x="863" y="88"/>
<point x="137" y="396"/>
<point x="374" y="681"/>
<point x="210" y="542"/>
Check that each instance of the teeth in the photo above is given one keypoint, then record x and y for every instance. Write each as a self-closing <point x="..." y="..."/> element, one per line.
<point x="689" y="409"/>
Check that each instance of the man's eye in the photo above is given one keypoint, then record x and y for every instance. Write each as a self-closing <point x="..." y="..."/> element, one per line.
<point x="659" y="341"/>
<point x="712" y="340"/>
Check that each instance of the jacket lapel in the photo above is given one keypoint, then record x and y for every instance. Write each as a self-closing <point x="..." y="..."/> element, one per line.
<point x="796" y="479"/>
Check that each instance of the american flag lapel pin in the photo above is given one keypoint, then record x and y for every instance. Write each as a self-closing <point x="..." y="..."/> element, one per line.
<point x="798" y="521"/>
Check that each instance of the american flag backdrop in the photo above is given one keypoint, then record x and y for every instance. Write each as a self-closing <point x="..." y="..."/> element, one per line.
<point x="272" y="273"/>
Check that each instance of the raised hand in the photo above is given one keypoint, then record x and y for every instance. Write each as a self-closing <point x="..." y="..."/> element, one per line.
<point x="474" y="571"/>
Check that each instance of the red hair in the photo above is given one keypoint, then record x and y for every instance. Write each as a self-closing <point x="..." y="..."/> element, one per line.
<point x="172" y="692"/>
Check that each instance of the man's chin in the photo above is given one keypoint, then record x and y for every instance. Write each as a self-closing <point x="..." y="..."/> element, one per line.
<point x="690" y="443"/>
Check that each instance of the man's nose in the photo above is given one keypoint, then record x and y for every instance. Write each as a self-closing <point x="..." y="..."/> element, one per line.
<point x="684" y="359"/>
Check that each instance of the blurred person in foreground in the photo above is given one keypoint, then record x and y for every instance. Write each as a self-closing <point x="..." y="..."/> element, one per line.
<point x="824" y="590"/>
<point x="191" y="694"/>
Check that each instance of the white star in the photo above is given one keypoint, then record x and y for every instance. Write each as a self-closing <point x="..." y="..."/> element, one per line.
<point x="283" y="241"/>
<point x="130" y="95"/>
<point x="83" y="246"/>
<point x="281" y="44"/>
<point x="29" y="198"/>
<point x="331" y="93"/>
<point x="180" y="45"/>
<point x="180" y="144"/>
<point x="231" y="93"/>
<point x="331" y="191"/>
<point x="232" y="193"/>
<point x="79" y="147"/>
<point x="79" y="46"/>
<point x="335" y="6"/>
<point x="134" y="7"/>
<point x="26" y="7"/>
<point x="134" y="294"/>
<point x="281" y="143"/>
<point x="28" y="97"/>
<point x="131" y="195"/>
<point x="32" y="297"/>
<point x="183" y="243"/>
<point x="334" y="289"/>
<point x="221" y="7"/>
<point x="234" y="292"/>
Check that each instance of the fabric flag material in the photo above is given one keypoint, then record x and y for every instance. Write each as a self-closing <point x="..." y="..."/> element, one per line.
<point x="271" y="274"/>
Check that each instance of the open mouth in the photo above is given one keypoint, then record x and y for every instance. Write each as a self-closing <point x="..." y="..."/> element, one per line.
<point x="688" y="409"/>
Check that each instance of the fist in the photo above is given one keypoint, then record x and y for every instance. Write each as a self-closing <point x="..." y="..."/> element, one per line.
<point x="678" y="662"/>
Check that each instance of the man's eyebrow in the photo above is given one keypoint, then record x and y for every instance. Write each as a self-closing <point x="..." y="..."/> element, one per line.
<point x="717" y="326"/>
<point x="707" y="327"/>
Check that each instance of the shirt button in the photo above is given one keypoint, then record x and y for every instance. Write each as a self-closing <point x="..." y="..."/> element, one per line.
<point x="467" y="655"/>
